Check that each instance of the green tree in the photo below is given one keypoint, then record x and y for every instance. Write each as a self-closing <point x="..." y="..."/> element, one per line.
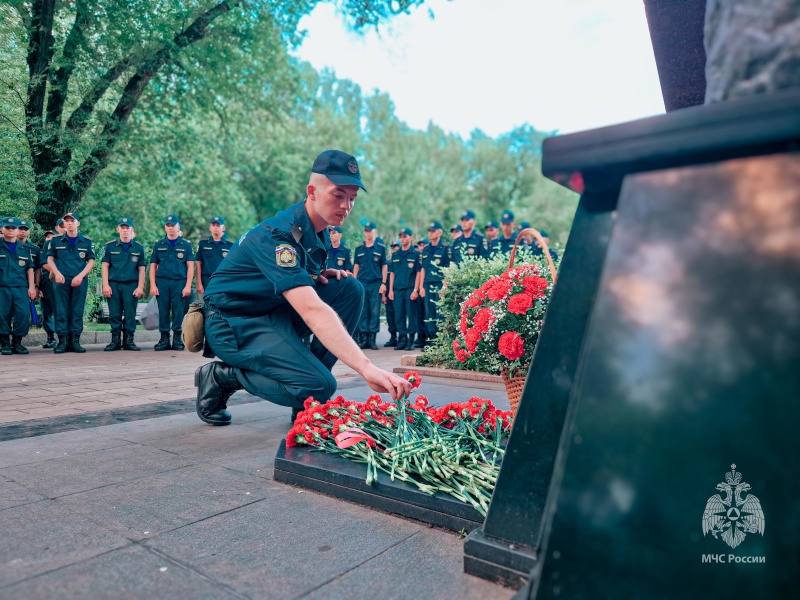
<point x="90" y="63"/>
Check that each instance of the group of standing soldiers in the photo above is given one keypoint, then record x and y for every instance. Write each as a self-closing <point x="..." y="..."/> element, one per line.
<point x="57" y="275"/>
<point x="409" y="280"/>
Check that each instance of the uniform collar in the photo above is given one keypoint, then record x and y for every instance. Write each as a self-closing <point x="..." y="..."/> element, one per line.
<point x="65" y="237"/>
<point x="120" y="242"/>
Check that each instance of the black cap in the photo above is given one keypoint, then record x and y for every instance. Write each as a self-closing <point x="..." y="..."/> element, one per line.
<point x="217" y="219"/>
<point x="406" y="231"/>
<point x="336" y="229"/>
<point x="125" y="221"/>
<point x="491" y="224"/>
<point x="340" y="167"/>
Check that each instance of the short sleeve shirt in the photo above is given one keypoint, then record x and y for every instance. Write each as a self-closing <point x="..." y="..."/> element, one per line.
<point x="211" y="254"/>
<point x="502" y="245"/>
<point x="405" y="266"/>
<point x="434" y="259"/>
<point x="474" y="245"/>
<point x="71" y="259"/>
<point x="124" y="264"/>
<point x="172" y="260"/>
<point x="279" y="254"/>
<point x="370" y="261"/>
<point x="36" y="254"/>
<point x="14" y="265"/>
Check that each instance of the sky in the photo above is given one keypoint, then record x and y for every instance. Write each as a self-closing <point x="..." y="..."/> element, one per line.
<point x="565" y="65"/>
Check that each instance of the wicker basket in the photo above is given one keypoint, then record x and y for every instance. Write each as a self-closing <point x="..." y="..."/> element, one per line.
<point x="514" y="386"/>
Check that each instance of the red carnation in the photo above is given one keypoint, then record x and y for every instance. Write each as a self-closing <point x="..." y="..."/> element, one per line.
<point x="413" y="378"/>
<point x="462" y="355"/>
<point x="474" y="300"/>
<point x="519" y="304"/>
<point x="499" y="289"/>
<point x="535" y="286"/>
<point x="511" y="345"/>
<point x="472" y="338"/>
<point x="483" y="318"/>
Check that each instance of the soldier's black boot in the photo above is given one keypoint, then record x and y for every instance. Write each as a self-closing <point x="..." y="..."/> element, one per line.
<point x="51" y="341"/>
<point x="216" y="382"/>
<point x="16" y="345"/>
<point x="392" y="341"/>
<point x="420" y="343"/>
<point x="401" y="343"/>
<point x="410" y="342"/>
<point x="76" y="344"/>
<point x="127" y="342"/>
<point x="177" y="342"/>
<point x="61" y="347"/>
<point x="372" y="344"/>
<point x="115" y="343"/>
<point x="163" y="343"/>
<point x="363" y="341"/>
<point x="5" y="346"/>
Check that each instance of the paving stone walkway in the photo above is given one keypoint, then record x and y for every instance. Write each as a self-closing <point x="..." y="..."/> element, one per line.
<point x="168" y="507"/>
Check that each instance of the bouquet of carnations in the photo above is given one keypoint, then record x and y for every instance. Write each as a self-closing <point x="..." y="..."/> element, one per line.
<point x="501" y="321"/>
<point x="455" y="449"/>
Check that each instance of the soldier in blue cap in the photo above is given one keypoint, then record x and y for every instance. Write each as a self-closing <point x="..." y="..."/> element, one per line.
<point x="537" y="248"/>
<point x="17" y="289"/>
<point x="391" y="321"/>
<point x="23" y="233"/>
<point x="272" y="290"/>
<point x="404" y="289"/>
<point x="436" y="256"/>
<point x="370" y="268"/>
<point x="470" y="242"/>
<point x="210" y="253"/>
<point x="71" y="259"/>
<point x="123" y="267"/>
<point x="47" y="293"/>
<point x="492" y="231"/>
<point x="339" y="256"/>
<point x="171" y="274"/>
<point x="505" y="241"/>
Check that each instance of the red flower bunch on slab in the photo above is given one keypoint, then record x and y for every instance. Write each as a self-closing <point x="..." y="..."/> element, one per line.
<point x="501" y="320"/>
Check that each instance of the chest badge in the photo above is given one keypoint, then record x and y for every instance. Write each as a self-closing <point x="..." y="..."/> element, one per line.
<point x="21" y="262"/>
<point x="224" y="253"/>
<point x="471" y="251"/>
<point x="180" y="255"/>
<point x="134" y="259"/>
<point x="82" y="254"/>
<point x="285" y="255"/>
<point x="340" y="261"/>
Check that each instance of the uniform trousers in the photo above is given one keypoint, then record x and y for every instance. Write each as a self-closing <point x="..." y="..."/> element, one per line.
<point x="48" y="302"/>
<point x="122" y="304"/>
<point x="371" y="312"/>
<point x="70" y="302"/>
<point x="171" y="302"/>
<point x="15" y="305"/>
<point x="405" y="312"/>
<point x="390" y="317"/>
<point x="432" y="291"/>
<point x="270" y="359"/>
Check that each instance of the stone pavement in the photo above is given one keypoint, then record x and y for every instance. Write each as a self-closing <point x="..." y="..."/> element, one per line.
<point x="168" y="507"/>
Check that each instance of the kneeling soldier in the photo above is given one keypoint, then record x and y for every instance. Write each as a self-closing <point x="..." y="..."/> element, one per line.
<point x="123" y="285"/>
<point x="16" y="274"/>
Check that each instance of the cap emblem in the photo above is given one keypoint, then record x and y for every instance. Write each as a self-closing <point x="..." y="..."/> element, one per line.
<point x="352" y="166"/>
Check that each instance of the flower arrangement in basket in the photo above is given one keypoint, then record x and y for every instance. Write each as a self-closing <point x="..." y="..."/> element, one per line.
<point x="454" y="449"/>
<point x="502" y="319"/>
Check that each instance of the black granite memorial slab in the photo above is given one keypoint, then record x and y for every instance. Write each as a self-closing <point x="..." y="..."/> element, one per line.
<point x="596" y="163"/>
<point x="690" y="365"/>
<point x="342" y="478"/>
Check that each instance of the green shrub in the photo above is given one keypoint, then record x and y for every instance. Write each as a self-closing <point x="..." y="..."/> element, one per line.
<point x="459" y="282"/>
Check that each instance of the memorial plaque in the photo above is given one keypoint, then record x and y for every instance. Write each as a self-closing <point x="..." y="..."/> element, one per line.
<point x="691" y="364"/>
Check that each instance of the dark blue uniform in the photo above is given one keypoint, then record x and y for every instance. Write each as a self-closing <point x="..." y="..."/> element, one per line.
<point x="48" y="299"/>
<point x="474" y="245"/>
<point x="404" y="267"/>
<point x="15" y="305"/>
<point x="124" y="264"/>
<point x="172" y="260"/>
<point x="250" y="325"/>
<point x="434" y="259"/>
<point x="340" y="258"/>
<point x="370" y="261"/>
<point x="71" y="258"/>
<point x="210" y="254"/>
<point x="502" y="245"/>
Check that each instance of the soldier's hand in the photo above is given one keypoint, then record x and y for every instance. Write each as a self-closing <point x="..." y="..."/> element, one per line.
<point x="32" y="293"/>
<point x="138" y="292"/>
<point x="201" y="289"/>
<point x="77" y="280"/>
<point x="60" y="278"/>
<point x="383" y="381"/>
<point x="414" y="295"/>
<point x="153" y="290"/>
<point x="421" y="292"/>
<point x="330" y="274"/>
<point x="107" y="291"/>
<point x="39" y="294"/>
<point x="187" y="291"/>
<point x="391" y="295"/>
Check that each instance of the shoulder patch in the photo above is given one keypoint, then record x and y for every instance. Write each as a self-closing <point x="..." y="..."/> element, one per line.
<point x="285" y="255"/>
